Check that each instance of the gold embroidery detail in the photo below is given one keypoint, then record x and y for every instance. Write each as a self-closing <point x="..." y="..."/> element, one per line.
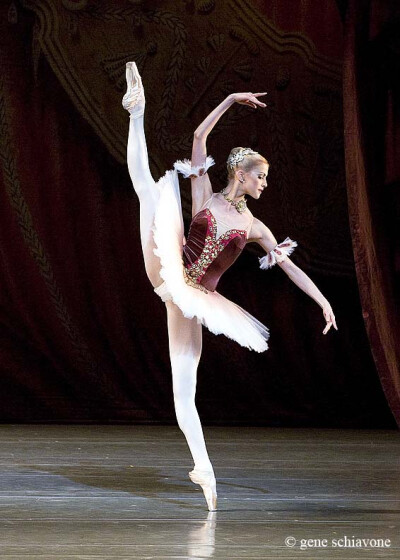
<point x="191" y="282"/>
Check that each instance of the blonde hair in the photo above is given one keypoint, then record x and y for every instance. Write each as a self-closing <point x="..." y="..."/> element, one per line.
<point x="247" y="162"/>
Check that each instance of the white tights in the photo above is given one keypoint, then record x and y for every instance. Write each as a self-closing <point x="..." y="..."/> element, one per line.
<point x="185" y="335"/>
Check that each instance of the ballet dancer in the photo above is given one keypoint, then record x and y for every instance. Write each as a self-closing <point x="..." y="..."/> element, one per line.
<point x="185" y="272"/>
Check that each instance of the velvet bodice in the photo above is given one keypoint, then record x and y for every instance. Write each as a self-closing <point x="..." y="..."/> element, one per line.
<point x="206" y="256"/>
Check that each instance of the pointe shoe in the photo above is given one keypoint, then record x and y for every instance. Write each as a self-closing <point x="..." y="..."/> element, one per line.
<point x="133" y="100"/>
<point x="206" y="479"/>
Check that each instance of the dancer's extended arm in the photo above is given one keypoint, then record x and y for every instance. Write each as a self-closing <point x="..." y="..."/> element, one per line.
<point x="264" y="237"/>
<point x="201" y="186"/>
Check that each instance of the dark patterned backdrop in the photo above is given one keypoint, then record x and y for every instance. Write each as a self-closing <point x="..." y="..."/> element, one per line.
<point x="84" y="337"/>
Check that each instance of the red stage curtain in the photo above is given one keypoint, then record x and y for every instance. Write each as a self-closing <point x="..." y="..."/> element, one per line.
<point x="371" y="80"/>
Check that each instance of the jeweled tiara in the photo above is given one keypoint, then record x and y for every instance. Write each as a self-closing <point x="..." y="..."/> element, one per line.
<point x="236" y="158"/>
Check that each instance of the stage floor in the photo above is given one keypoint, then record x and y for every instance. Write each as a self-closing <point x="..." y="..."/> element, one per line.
<point x="108" y="492"/>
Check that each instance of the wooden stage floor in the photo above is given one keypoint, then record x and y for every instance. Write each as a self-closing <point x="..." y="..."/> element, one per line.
<point x="122" y="492"/>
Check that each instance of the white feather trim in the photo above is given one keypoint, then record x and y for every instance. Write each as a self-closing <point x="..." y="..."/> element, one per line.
<point x="278" y="254"/>
<point x="185" y="167"/>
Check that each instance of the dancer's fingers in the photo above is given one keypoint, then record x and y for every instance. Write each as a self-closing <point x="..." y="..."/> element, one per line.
<point x="255" y="102"/>
<point x="328" y="326"/>
<point x="251" y="103"/>
<point x="331" y="318"/>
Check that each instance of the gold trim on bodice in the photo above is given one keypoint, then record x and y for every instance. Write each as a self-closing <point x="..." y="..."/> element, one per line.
<point x="213" y="246"/>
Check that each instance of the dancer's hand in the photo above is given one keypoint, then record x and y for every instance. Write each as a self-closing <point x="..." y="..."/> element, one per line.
<point x="329" y="317"/>
<point x="249" y="99"/>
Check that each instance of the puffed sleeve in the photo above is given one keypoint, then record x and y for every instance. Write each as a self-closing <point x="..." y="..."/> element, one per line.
<point x="189" y="172"/>
<point x="278" y="254"/>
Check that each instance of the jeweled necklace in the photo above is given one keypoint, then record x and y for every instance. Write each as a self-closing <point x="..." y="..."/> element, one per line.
<point x="240" y="205"/>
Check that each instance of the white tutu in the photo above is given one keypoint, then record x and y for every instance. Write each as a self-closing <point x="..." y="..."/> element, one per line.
<point x="214" y="311"/>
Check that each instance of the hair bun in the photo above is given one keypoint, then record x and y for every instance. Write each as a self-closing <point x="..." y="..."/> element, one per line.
<point x="238" y="154"/>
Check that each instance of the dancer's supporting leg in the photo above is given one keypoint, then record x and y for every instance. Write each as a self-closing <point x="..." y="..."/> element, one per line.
<point x="185" y="344"/>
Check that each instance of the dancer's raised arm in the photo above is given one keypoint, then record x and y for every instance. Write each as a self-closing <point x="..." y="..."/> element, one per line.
<point x="201" y="186"/>
<point x="261" y="234"/>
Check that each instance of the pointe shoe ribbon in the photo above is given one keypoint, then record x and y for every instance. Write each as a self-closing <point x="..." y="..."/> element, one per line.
<point x="206" y="479"/>
<point x="133" y="100"/>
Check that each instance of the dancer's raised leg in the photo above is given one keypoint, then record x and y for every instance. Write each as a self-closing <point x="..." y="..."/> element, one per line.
<point x="185" y="344"/>
<point x="185" y="337"/>
<point x="139" y="171"/>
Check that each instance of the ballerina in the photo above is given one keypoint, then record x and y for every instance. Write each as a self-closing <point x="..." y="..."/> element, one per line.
<point x="185" y="273"/>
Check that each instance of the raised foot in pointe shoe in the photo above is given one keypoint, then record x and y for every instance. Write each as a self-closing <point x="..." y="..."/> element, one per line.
<point x="206" y="479"/>
<point x="133" y="100"/>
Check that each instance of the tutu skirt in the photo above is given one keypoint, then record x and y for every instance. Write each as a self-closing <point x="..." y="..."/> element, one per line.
<point x="214" y="311"/>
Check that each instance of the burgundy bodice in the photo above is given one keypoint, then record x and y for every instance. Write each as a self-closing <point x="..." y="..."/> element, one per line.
<point x="206" y="256"/>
